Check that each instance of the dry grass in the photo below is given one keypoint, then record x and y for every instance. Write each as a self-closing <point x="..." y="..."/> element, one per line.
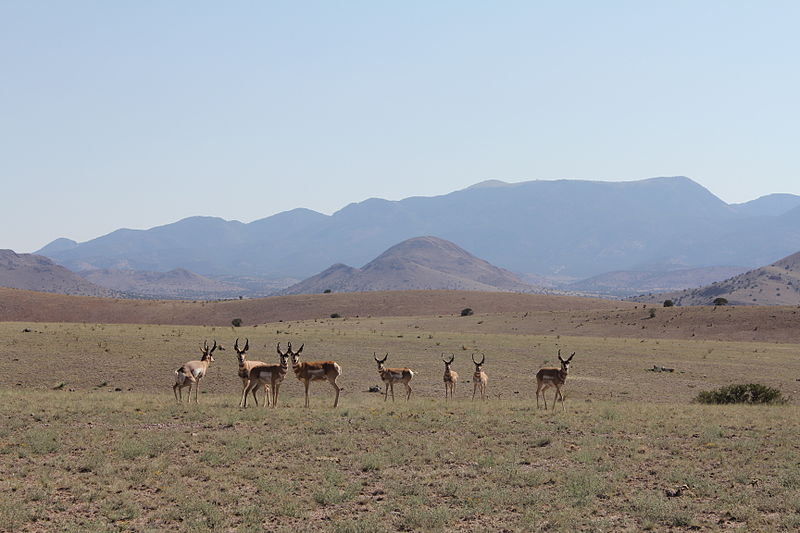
<point x="87" y="456"/>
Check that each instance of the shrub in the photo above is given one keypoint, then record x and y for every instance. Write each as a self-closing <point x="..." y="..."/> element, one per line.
<point x="668" y="303"/>
<point x="467" y="311"/>
<point x="720" y="301"/>
<point x="336" y="315"/>
<point x="236" y="322"/>
<point x="652" y="313"/>
<point x="750" y="393"/>
<point x="326" y="291"/>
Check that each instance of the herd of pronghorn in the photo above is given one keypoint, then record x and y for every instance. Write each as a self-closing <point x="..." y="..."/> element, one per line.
<point x="257" y="375"/>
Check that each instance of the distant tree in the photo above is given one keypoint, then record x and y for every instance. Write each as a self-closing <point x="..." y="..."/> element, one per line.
<point x="236" y="322"/>
<point x="720" y="301"/>
<point x="668" y="303"/>
<point x="467" y="311"/>
<point x="336" y="315"/>
<point x="326" y="291"/>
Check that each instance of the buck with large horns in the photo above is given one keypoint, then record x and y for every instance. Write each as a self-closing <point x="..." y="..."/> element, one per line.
<point x="316" y="371"/>
<point x="245" y="367"/>
<point x="390" y="376"/>
<point x="270" y="376"/>
<point x="479" y="378"/>
<point x="553" y="377"/>
<point x="450" y="377"/>
<point x="191" y="372"/>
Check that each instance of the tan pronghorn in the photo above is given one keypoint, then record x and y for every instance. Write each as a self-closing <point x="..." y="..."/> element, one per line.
<point x="450" y="377"/>
<point x="244" y="373"/>
<point x="316" y="371"/>
<point x="553" y="377"/>
<point x="192" y="372"/>
<point x="479" y="378"/>
<point x="390" y="376"/>
<point x="270" y="376"/>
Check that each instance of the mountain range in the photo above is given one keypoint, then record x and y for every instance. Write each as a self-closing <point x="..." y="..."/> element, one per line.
<point x="38" y="273"/>
<point x="564" y="229"/>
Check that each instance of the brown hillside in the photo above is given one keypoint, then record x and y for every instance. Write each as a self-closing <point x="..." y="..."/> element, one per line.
<point x="776" y="284"/>
<point x="421" y="263"/>
<point x="177" y="283"/>
<point x="38" y="273"/>
<point x="18" y="305"/>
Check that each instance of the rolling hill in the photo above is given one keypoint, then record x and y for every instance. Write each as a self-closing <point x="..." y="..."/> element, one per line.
<point x="35" y="272"/>
<point x="566" y="228"/>
<point x="175" y="284"/>
<point x="775" y="284"/>
<point x="421" y="263"/>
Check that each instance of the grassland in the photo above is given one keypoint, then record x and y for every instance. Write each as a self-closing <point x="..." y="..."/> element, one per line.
<point x="92" y="438"/>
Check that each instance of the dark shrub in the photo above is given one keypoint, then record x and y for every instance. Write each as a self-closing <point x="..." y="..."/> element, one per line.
<point x="466" y="312"/>
<point x="326" y="291"/>
<point x="336" y="315"/>
<point x="236" y="322"/>
<point x="720" y="301"/>
<point x="750" y="393"/>
<point x="668" y="303"/>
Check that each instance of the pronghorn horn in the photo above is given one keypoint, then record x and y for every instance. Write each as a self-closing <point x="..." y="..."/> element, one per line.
<point x="473" y="359"/>
<point x="236" y="345"/>
<point x="299" y="349"/>
<point x="246" y="344"/>
<point x="570" y="357"/>
<point x="483" y="358"/>
<point x="213" y="347"/>
<point x="279" y="349"/>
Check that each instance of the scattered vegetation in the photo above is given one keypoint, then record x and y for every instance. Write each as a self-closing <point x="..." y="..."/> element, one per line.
<point x="236" y="322"/>
<point x="668" y="303"/>
<point x="467" y="311"/>
<point x="720" y="301"/>
<point x="750" y="393"/>
<point x="336" y="315"/>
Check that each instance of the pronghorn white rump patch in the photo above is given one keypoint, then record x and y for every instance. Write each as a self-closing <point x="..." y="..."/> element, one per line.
<point x="197" y="373"/>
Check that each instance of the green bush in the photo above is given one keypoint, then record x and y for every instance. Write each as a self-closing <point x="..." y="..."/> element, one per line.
<point x="750" y="393"/>
<point x="668" y="303"/>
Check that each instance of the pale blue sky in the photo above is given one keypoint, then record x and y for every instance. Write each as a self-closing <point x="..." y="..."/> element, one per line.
<point x="136" y="114"/>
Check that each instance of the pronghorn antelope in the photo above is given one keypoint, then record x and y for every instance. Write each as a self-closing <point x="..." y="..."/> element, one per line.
<point x="316" y="371"/>
<point x="244" y="373"/>
<point x="553" y="377"/>
<point x="269" y="376"/>
<point x="450" y="376"/>
<point x="192" y="372"/>
<point x="390" y="376"/>
<point x="479" y="378"/>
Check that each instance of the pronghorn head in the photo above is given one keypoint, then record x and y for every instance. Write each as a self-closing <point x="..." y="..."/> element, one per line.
<point x="241" y="352"/>
<point x="380" y="361"/>
<point x="285" y="355"/>
<point x="448" y="363"/>
<point x="478" y="366"/>
<point x="294" y="355"/>
<point x="565" y="362"/>
<point x="206" y="351"/>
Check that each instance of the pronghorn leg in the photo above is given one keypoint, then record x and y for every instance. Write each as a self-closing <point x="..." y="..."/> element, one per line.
<point x="392" y="387"/>
<point x="562" y="399"/>
<point x="408" y="388"/>
<point x="307" y="383"/>
<point x="335" y="386"/>
<point x="474" y="390"/>
<point x="385" y="391"/>
<point x="254" y="391"/>
<point x="267" y="392"/>
<point x="275" y="394"/>
<point x="196" y="391"/>
<point x="538" y="388"/>
<point x="544" y="397"/>
<point x="245" y="389"/>
<point x="175" y="392"/>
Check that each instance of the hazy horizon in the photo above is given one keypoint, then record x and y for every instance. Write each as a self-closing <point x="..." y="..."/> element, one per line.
<point x="139" y="115"/>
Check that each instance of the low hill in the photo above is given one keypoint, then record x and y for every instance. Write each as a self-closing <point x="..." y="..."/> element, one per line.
<point x="38" y="273"/>
<point x="175" y="284"/>
<point x="421" y="263"/>
<point x="23" y="306"/>
<point x="775" y="284"/>
<point x="626" y="283"/>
